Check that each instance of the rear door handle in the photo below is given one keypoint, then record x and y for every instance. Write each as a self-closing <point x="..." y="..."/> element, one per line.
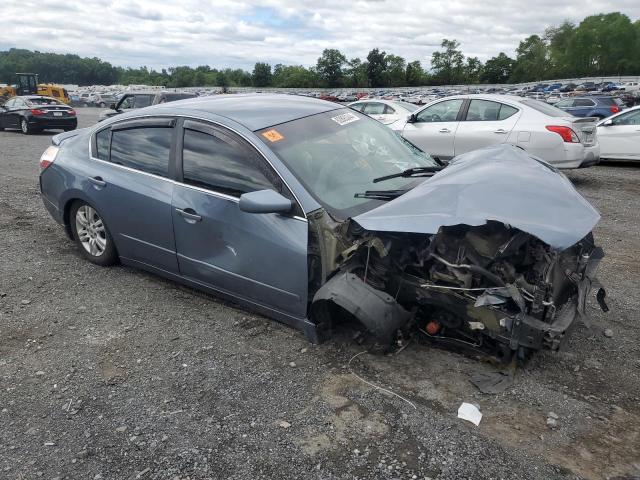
<point x="444" y="130"/>
<point x="189" y="214"/>
<point x="98" y="181"/>
<point x="501" y="131"/>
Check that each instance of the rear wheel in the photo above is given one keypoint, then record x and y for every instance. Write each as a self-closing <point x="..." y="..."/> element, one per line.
<point x="24" y="126"/>
<point x="91" y="235"/>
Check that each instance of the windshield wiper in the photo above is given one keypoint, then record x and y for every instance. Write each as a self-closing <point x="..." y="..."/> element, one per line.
<point x="380" y="194"/>
<point x="411" y="172"/>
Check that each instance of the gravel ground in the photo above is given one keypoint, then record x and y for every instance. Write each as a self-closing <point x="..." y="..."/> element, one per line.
<point x="117" y="374"/>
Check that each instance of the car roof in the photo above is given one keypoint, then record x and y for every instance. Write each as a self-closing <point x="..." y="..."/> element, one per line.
<point x="31" y="97"/>
<point x="254" y="111"/>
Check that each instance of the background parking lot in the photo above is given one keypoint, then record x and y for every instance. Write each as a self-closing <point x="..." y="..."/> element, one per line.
<point x="117" y="374"/>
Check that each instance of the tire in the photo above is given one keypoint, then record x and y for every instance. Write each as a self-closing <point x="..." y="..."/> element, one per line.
<point x="92" y="235"/>
<point x="24" y="127"/>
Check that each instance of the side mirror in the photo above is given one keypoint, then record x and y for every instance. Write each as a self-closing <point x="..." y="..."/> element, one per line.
<point x="607" y="123"/>
<point x="112" y="106"/>
<point x="411" y="118"/>
<point x="265" y="201"/>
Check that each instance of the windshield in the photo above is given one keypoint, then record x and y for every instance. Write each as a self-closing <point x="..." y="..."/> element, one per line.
<point x="544" y="108"/>
<point x="43" y="101"/>
<point x="337" y="154"/>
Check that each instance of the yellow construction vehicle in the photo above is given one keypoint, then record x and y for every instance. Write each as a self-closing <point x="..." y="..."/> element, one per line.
<point x="27" y="84"/>
<point x="55" y="91"/>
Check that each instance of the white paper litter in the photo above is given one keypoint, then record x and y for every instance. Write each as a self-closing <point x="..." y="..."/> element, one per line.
<point x="470" y="413"/>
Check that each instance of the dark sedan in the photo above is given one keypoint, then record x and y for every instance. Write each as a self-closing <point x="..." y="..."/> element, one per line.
<point x="313" y="213"/>
<point x="34" y="113"/>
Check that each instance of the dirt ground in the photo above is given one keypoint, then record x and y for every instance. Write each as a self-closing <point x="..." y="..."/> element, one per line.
<point x="117" y="374"/>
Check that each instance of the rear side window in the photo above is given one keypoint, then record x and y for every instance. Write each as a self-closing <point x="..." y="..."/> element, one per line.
<point x="221" y="164"/>
<point x="487" y="111"/>
<point x="583" y="102"/>
<point x="146" y="149"/>
<point x="102" y="144"/>
<point x="375" y="108"/>
<point x="544" y="107"/>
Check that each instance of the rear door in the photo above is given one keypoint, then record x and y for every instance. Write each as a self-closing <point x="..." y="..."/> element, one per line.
<point x="434" y="127"/>
<point x="582" y="107"/>
<point x="261" y="258"/>
<point x="485" y="123"/>
<point x="130" y="184"/>
<point x="621" y="139"/>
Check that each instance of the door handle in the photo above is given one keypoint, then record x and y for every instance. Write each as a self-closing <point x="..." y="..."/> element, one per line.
<point x="98" y="182"/>
<point x="501" y="131"/>
<point x="444" y="130"/>
<point x="189" y="214"/>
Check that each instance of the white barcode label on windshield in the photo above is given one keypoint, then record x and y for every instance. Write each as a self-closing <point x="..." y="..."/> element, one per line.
<point x="345" y="118"/>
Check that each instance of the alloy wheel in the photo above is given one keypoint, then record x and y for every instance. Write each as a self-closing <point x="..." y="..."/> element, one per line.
<point x="91" y="231"/>
<point x="24" y="126"/>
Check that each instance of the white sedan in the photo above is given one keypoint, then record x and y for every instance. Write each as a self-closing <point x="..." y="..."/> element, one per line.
<point x="454" y="125"/>
<point x="619" y="135"/>
<point x="385" y="111"/>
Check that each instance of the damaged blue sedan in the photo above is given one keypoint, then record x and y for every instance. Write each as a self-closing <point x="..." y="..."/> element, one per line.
<point x="314" y="214"/>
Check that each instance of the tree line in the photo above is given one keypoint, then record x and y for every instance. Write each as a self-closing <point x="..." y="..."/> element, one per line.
<point x="600" y="45"/>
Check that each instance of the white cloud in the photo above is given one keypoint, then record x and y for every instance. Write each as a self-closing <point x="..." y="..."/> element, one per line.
<point x="239" y="33"/>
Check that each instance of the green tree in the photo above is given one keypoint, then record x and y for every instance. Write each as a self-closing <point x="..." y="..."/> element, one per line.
<point x="497" y="69"/>
<point x="472" y="70"/>
<point x="395" y="71"/>
<point x="414" y="74"/>
<point x="376" y="68"/>
<point x="559" y="41"/>
<point x="261" y="75"/>
<point x="448" y="65"/>
<point x="355" y="74"/>
<point x="329" y="67"/>
<point x="531" y="60"/>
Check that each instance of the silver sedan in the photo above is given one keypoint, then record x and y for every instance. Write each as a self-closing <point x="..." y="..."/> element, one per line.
<point x="454" y="125"/>
<point x="385" y="111"/>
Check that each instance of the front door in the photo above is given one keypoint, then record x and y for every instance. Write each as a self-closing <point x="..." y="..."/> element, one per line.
<point x="261" y="258"/>
<point x="621" y="139"/>
<point x="434" y="128"/>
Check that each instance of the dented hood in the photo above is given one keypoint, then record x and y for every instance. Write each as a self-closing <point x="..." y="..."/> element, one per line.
<point x="501" y="183"/>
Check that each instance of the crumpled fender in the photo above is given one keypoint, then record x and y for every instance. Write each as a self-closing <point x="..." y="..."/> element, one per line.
<point x="501" y="183"/>
<point x="376" y="310"/>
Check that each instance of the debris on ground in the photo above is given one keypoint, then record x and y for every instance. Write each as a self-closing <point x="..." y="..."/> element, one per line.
<point x="470" y="413"/>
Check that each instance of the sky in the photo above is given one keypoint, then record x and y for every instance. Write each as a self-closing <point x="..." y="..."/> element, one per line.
<point x="229" y="33"/>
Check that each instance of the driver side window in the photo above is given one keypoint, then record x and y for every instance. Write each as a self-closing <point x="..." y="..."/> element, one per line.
<point x="446" y="111"/>
<point x="631" y="118"/>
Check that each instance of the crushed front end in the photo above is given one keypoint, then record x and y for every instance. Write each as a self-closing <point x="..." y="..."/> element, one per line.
<point x="494" y="288"/>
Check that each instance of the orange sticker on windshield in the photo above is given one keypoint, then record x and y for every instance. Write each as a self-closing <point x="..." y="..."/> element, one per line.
<point x="272" y="135"/>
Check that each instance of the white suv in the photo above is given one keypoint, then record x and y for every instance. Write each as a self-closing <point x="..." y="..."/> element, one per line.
<point x="453" y="125"/>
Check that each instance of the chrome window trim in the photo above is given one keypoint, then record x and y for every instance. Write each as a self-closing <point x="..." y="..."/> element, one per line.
<point x="203" y="190"/>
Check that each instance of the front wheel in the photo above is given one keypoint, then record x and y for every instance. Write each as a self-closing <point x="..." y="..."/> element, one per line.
<point x="92" y="235"/>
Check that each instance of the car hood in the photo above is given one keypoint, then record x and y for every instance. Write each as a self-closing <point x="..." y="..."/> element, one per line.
<point x="500" y="183"/>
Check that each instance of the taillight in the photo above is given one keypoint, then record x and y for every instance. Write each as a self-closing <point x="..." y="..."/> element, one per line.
<point x="71" y="112"/>
<point x="566" y="133"/>
<point x="48" y="157"/>
<point x="614" y="109"/>
<point x="36" y="111"/>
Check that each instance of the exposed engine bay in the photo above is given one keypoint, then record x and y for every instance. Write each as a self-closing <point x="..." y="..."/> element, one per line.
<point x="492" y="287"/>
